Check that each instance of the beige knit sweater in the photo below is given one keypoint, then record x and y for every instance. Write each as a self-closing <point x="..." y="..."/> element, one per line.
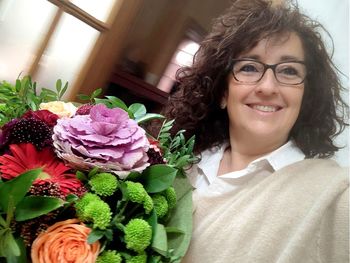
<point x="298" y="214"/>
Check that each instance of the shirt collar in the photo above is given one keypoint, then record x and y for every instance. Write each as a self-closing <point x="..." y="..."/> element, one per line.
<point x="285" y="155"/>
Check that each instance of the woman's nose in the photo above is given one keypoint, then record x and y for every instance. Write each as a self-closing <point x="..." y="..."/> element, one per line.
<point x="268" y="85"/>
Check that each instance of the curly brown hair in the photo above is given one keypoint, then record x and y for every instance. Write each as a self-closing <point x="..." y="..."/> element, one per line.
<point x="196" y="104"/>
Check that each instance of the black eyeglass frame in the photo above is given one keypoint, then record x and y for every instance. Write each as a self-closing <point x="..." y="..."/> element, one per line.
<point x="266" y="67"/>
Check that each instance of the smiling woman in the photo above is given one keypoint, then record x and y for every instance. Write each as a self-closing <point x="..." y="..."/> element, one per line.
<point x="262" y="112"/>
<point x="263" y="100"/>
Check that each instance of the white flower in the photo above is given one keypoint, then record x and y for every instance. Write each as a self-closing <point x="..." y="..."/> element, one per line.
<point x="60" y="108"/>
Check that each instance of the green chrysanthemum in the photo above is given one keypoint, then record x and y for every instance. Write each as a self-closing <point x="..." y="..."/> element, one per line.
<point x="138" y="234"/>
<point x="148" y="204"/>
<point x="135" y="192"/>
<point x="160" y="205"/>
<point x="104" y="184"/>
<point x="83" y="202"/>
<point x="109" y="256"/>
<point x="170" y="196"/>
<point x="137" y="259"/>
<point x="91" y="208"/>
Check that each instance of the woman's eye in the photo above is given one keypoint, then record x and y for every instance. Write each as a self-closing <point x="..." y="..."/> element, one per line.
<point x="248" y="68"/>
<point x="288" y="71"/>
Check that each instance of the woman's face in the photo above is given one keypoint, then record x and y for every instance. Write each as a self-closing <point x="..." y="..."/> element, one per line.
<point x="266" y="110"/>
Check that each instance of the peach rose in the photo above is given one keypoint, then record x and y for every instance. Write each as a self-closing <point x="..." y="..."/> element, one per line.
<point x="65" y="242"/>
<point x="60" y="108"/>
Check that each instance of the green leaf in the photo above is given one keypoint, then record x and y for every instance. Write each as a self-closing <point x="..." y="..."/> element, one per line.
<point x="8" y="245"/>
<point x="34" y="206"/>
<point x="181" y="218"/>
<point x="152" y="220"/>
<point x="138" y="110"/>
<point x="70" y="198"/>
<point x="58" y="85"/>
<point x="133" y="176"/>
<point x="93" y="172"/>
<point x="2" y="222"/>
<point x="96" y="93"/>
<point x="109" y="234"/>
<point x="158" y="177"/>
<point x="154" y="259"/>
<point x="17" y="188"/>
<point x="113" y="102"/>
<point x="160" y="242"/>
<point x="174" y="230"/>
<point x="95" y="235"/>
<point x="22" y="258"/>
<point x="83" y="97"/>
<point x="81" y="176"/>
<point x="148" y="117"/>
<point x="182" y="161"/>
<point x="60" y="94"/>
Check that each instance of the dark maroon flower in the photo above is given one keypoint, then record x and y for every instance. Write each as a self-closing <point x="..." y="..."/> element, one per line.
<point x="5" y="132"/>
<point x="30" y="130"/>
<point x="46" y="116"/>
<point x="84" y="109"/>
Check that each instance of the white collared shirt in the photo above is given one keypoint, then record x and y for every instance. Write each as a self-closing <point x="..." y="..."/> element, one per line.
<point x="205" y="172"/>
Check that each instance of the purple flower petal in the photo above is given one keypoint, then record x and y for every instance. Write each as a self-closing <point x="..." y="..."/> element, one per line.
<point x="106" y="138"/>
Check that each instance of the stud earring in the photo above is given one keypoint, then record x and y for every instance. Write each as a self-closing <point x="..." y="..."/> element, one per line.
<point x="223" y="105"/>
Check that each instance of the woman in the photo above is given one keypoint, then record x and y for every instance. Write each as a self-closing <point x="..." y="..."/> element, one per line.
<point x="263" y="99"/>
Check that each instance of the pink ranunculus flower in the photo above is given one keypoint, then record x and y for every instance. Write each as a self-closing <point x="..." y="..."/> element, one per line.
<point x="105" y="138"/>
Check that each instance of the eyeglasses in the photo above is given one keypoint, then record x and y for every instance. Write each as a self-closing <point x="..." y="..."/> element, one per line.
<point x="251" y="71"/>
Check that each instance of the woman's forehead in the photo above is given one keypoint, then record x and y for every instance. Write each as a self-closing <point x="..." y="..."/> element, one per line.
<point x="287" y="44"/>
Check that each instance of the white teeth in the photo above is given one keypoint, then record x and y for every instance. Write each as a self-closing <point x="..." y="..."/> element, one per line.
<point x="265" y="108"/>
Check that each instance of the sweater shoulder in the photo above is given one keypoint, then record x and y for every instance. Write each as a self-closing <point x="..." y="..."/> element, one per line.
<point x="318" y="169"/>
<point x="313" y="177"/>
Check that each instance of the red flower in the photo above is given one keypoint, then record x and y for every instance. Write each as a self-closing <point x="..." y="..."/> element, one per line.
<point x="25" y="157"/>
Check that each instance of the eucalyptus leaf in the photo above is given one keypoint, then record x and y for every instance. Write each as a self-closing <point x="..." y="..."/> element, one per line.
<point x="34" y="206"/>
<point x="17" y="188"/>
<point x="158" y="177"/>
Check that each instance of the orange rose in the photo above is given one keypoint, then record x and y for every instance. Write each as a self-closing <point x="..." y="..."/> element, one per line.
<point x="65" y="242"/>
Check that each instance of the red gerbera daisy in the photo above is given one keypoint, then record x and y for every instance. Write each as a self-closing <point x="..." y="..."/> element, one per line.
<point x="25" y="157"/>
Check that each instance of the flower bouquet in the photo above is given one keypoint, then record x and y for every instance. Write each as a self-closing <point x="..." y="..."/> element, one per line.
<point x="88" y="183"/>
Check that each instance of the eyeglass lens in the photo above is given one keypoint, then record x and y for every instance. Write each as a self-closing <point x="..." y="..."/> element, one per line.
<point x="249" y="71"/>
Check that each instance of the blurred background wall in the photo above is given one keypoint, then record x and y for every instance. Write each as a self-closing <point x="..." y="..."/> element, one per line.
<point x="130" y="48"/>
